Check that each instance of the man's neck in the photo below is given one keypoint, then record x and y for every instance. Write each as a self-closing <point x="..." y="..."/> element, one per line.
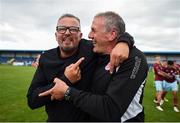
<point x="109" y="48"/>
<point x="66" y="54"/>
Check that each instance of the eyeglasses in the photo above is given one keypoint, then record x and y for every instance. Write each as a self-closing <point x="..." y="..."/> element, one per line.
<point x="63" y="29"/>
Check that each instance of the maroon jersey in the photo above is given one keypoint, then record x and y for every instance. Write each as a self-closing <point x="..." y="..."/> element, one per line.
<point x="172" y="72"/>
<point x="177" y="67"/>
<point x="157" y="68"/>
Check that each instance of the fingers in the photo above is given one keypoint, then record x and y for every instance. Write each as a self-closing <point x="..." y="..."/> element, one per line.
<point x="56" y="97"/>
<point x="112" y="63"/>
<point x="70" y="66"/>
<point x="79" y="75"/>
<point x="52" y="98"/>
<point x="79" y="62"/>
<point x="119" y="53"/>
<point x="46" y="93"/>
<point x="118" y="60"/>
<point x="57" y="80"/>
<point x="111" y="69"/>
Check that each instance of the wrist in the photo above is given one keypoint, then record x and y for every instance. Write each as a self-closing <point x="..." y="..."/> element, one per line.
<point x="122" y="42"/>
<point x="67" y="93"/>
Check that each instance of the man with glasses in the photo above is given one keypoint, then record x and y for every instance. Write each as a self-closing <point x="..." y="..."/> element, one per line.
<point x="63" y="29"/>
<point x="53" y="62"/>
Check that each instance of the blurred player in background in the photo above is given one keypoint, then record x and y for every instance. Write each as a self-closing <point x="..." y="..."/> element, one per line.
<point x="170" y="83"/>
<point x="159" y="77"/>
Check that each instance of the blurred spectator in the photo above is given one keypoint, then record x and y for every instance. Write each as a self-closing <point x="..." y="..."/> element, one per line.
<point x="36" y="62"/>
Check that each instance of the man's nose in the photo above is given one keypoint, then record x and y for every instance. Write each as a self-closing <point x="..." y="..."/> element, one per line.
<point x="67" y="31"/>
<point x="90" y="35"/>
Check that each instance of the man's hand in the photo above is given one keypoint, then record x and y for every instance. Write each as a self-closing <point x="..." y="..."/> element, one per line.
<point x="73" y="72"/>
<point x="57" y="92"/>
<point x="119" y="53"/>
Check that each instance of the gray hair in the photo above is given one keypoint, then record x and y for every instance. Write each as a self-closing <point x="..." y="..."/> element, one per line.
<point x="70" y="16"/>
<point x="113" y="20"/>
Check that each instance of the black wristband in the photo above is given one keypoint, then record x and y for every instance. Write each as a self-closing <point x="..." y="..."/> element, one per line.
<point x="67" y="94"/>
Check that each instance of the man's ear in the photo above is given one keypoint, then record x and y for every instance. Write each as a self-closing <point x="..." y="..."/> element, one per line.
<point x="81" y="34"/>
<point x="113" y="35"/>
<point x="56" y="35"/>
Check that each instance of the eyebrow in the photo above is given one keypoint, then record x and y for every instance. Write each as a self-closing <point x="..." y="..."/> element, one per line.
<point x="68" y="26"/>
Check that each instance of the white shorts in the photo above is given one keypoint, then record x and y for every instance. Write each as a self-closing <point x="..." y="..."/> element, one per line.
<point x="170" y="86"/>
<point x="177" y="78"/>
<point x="159" y="85"/>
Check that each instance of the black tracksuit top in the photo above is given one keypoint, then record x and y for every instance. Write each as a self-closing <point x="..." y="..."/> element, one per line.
<point x="111" y="95"/>
<point x="51" y="66"/>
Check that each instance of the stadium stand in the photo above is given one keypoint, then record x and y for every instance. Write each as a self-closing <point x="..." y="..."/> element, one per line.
<point x="165" y="55"/>
<point x="18" y="57"/>
<point x="28" y="56"/>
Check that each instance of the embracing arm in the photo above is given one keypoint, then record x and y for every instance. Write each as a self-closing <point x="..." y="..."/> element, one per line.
<point x="127" y="38"/>
<point x="121" y="51"/>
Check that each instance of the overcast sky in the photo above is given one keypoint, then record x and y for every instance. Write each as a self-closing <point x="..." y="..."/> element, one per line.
<point x="30" y="24"/>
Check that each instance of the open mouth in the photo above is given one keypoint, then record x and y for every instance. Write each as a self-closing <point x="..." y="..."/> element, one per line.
<point x="94" y="42"/>
<point x="67" y="39"/>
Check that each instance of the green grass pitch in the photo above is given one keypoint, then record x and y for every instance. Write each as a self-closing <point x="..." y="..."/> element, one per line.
<point x="14" y="83"/>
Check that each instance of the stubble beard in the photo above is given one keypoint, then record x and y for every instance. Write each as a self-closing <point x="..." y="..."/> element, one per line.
<point x="68" y="50"/>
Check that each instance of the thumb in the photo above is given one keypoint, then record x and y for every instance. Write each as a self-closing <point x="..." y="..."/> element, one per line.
<point x="55" y="80"/>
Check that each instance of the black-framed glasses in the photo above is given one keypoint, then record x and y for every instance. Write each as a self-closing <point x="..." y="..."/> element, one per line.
<point x="63" y="29"/>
